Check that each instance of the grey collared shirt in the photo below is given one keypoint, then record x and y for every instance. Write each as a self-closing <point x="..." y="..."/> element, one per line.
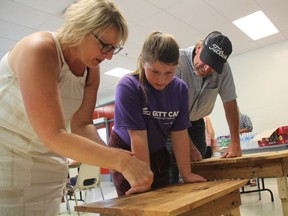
<point x="203" y="92"/>
<point x="245" y="122"/>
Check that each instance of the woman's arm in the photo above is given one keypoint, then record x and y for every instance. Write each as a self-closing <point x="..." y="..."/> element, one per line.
<point x="36" y="65"/>
<point x="82" y="121"/>
<point x="38" y="76"/>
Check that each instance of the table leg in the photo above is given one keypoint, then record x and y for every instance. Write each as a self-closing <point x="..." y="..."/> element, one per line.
<point x="283" y="193"/>
<point x="233" y="212"/>
<point x="236" y="212"/>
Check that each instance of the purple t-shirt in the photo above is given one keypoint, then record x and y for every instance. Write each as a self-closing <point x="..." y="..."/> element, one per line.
<point x="162" y="112"/>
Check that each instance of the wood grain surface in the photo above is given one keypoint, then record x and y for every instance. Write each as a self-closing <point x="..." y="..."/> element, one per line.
<point x="244" y="158"/>
<point x="173" y="200"/>
<point x="265" y="164"/>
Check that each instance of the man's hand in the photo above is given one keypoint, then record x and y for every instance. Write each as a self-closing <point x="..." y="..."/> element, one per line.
<point x="232" y="151"/>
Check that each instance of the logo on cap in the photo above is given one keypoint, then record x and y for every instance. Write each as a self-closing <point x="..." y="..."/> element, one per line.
<point x="216" y="49"/>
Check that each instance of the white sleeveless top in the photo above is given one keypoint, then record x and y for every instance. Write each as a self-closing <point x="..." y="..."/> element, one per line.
<point x="32" y="177"/>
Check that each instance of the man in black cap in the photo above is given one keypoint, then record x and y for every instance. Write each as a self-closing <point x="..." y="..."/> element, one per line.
<point x="207" y="73"/>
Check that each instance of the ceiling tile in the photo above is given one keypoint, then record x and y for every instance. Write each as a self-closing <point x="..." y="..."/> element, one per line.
<point x="137" y="10"/>
<point x="187" y="20"/>
<point x="235" y="10"/>
<point x="6" y="44"/>
<point x="53" y="23"/>
<point x="13" y="31"/>
<point x="197" y="14"/>
<point x="163" y="21"/>
<point x="48" y="6"/>
<point x="168" y="3"/>
<point x="21" y="14"/>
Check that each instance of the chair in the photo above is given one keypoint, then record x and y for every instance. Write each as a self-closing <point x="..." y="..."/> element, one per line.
<point x="89" y="177"/>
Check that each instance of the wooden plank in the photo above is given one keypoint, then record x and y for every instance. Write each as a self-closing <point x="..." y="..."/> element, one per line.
<point x="227" y="203"/>
<point x="168" y="201"/>
<point x="284" y="162"/>
<point x="261" y="165"/>
<point x="283" y="193"/>
<point x="265" y="164"/>
<point x="246" y="158"/>
<point x="241" y="170"/>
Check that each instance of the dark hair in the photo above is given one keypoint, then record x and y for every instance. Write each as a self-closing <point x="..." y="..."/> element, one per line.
<point x="213" y="33"/>
<point x="158" y="47"/>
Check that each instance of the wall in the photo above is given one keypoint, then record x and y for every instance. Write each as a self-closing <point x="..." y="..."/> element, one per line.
<point x="261" y="78"/>
<point x="107" y="111"/>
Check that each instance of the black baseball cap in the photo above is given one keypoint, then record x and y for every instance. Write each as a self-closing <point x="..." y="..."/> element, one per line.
<point x="216" y="50"/>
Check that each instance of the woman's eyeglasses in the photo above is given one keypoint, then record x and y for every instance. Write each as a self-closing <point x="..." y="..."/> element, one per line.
<point x="106" y="48"/>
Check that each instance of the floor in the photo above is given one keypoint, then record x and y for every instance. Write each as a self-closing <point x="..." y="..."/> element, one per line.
<point x="251" y="205"/>
<point x="92" y="196"/>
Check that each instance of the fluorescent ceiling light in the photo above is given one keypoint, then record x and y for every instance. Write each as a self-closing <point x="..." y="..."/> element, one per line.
<point x="118" y="72"/>
<point x="256" y="25"/>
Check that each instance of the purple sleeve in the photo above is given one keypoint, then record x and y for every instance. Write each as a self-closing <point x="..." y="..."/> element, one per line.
<point x="128" y="105"/>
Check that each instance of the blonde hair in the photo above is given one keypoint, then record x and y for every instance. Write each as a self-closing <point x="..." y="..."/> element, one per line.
<point x="87" y="16"/>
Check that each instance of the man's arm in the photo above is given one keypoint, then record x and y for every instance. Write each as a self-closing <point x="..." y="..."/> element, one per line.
<point x="246" y="121"/>
<point x="232" y="116"/>
<point x="244" y="130"/>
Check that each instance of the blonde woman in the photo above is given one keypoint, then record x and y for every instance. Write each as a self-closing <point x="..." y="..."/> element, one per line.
<point x="46" y="81"/>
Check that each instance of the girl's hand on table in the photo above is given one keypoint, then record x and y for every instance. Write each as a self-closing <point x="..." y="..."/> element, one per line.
<point x="192" y="177"/>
